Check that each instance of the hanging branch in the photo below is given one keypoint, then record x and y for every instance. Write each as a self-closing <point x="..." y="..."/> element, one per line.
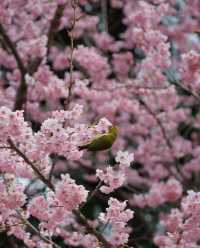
<point x="55" y="22"/>
<point x="20" y="99"/>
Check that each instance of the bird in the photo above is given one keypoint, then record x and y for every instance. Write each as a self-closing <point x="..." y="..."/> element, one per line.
<point x="102" y="141"/>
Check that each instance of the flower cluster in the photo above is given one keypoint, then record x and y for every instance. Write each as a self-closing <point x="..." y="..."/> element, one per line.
<point x="181" y="225"/>
<point x="115" y="177"/>
<point x="159" y="193"/>
<point x="117" y="217"/>
<point x="69" y="194"/>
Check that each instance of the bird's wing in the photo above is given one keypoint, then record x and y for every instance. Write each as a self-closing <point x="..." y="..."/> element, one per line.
<point x="101" y="143"/>
<point x="95" y="138"/>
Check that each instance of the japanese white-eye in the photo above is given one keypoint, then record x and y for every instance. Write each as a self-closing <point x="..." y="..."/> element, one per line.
<point x="102" y="141"/>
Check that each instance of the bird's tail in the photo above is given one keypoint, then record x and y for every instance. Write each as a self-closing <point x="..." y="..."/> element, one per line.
<point x="82" y="147"/>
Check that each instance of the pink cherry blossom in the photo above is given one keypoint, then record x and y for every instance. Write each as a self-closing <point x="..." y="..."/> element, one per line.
<point x="118" y="218"/>
<point x="69" y="194"/>
<point x="69" y="70"/>
<point x="124" y="158"/>
<point x="113" y="179"/>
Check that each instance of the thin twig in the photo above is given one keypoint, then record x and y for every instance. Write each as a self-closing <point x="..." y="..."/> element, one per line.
<point x="51" y="171"/>
<point x="159" y="122"/>
<point x="92" y="194"/>
<point x="183" y="87"/>
<point x="104" y="12"/>
<point x="28" y="223"/>
<point x="167" y="140"/>
<point x="5" y="147"/>
<point x="92" y="230"/>
<point x="55" y="22"/>
<point x="95" y="190"/>
<point x="52" y="32"/>
<point x="74" y="4"/>
<point x="20" y="99"/>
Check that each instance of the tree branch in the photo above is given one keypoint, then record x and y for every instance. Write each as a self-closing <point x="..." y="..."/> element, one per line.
<point x="28" y="223"/>
<point x="143" y="103"/>
<point x="104" y="12"/>
<point x="71" y="35"/>
<point x="55" y="25"/>
<point x="92" y="230"/>
<point x="33" y="66"/>
<point x="93" y="193"/>
<point x="22" y="89"/>
<point x="182" y="86"/>
<point x="24" y="221"/>
<point x="82" y="219"/>
<point x="33" y="166"/>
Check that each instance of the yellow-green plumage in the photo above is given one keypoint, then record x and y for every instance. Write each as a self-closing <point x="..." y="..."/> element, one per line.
<point x="102" y="142"/>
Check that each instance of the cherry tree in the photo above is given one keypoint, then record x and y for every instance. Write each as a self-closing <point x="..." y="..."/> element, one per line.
<point x="70" y="69"/>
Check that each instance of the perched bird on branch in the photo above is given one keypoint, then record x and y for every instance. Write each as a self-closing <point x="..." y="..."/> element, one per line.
<point x="102" y="141"/>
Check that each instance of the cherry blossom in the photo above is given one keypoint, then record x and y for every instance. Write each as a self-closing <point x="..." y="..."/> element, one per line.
<point x="69" y="70"/>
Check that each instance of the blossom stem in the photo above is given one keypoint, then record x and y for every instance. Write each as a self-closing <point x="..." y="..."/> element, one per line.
<point x="28" y="223"/>
<point x="100" y="183"/>
<point x="92" y="230"/>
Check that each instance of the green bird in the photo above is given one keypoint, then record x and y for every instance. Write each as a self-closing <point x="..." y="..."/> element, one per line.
<point x="102" y="141"/>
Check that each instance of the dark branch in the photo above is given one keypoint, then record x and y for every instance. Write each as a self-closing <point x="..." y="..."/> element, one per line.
<point x="33" y="65"/>
<point x="55" y="25"/>
<point x="92" y="230"/>
<point x="104" y="14"/>
<point x="176" y="82"/>
<point x="32" y="165"/>
<point x="22" y="89"/>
